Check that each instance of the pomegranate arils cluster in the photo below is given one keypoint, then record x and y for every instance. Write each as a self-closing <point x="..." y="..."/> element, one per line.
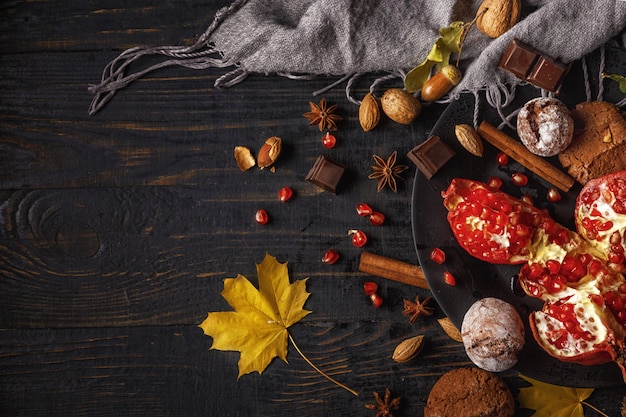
<point x="371" y="289"/>
<point x="364" y="210"/>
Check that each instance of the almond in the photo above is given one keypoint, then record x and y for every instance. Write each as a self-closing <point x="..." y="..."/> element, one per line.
<point x="269" y="152"/>
<point x="494" y="17"/>
<point x="369" y="112"/>
<point x="400" y="106"/>
<point x="244" y="158"/>
<point x="450" y="329"/>
<point x="469" y="139"/>
<point x="408" y="349"/>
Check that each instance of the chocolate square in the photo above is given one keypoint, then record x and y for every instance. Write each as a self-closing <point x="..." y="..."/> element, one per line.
<point x="518" y="59"/>
<point x="430" y="155"/>
<point x="326" y="174"/>
<point x="548" y="74"/>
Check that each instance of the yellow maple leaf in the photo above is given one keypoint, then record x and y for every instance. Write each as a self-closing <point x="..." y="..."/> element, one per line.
<point x="553" y="400"/>
<point x="257" y="327"/>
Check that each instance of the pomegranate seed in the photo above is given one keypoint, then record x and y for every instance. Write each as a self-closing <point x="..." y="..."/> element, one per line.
<point x="438" y="255"/>
<point x="377" y="218"/>
<point x="553" y="266"/>
<point x="261" y="216"/>
<point x="377" y="300"/>
<point x="359" y="238"/>
<point x="494" y="183"/>
<point x="597" y="298"/>
<point x="285" y="194"/>
<point x="622" y="289"/>
<point x="519" y="179"/>
<point x="329" y="141"/>
<point x="363" y="210"/>
<point x="330" y="257"/>
<point x="449" y="278"/>
<point x="527" y="199"/>
<point x="502" y="159"/>
<point x="553" y="195"/>
<point x="370" y="287"/>
<point x="616" y="257"/>
<point x="615" y="238"/>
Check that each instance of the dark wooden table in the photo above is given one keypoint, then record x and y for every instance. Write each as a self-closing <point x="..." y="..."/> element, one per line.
<point x="117" y="230"/>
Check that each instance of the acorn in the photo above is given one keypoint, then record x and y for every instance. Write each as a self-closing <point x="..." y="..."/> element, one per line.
<point x="440" y="83"/>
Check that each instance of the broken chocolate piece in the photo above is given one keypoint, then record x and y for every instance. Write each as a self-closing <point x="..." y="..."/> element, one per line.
<point x="430" y="155"/>
<point x="326" y="174"/>
<point x="518" y="59"/>
<point x="548" y="74"/>
<point x="533" y="66"/>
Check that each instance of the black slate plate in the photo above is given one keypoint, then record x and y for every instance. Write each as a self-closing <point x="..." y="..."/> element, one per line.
<point x="477" y="279"/>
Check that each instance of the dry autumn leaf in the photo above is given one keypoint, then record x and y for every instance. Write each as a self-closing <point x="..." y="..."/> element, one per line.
<point x="258" y="326"/>
<point x="450" y="41"/>
<point x="554" y="401"/>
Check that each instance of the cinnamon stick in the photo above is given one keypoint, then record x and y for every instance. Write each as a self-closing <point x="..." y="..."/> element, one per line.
<point x="392" y="269"/>
<point x="521" y="154"/>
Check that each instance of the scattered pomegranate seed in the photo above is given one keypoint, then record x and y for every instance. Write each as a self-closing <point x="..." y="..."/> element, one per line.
<point x="449" y="278"/>
<point x="329" y="141"/>
<point x="359" y="238"/>
<point x="285" y="194"/>
<point x="261" y="216"/>
<point x="438" y="255"/>
<point x="330" y="257"/>
<point x="502" y="159"/>
<point x="363" y="209"/>
<point x="553" y="195"/>
<point x="527" y="199"/>
<point x="494" y="183"/>
<point x="370" y="287"/>
<point x="519" y="179"/>
<point x="377" y="218"/>
<point x="376" y="300"/>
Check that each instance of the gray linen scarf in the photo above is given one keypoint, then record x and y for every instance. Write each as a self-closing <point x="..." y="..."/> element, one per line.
<point x="350" y="38"/>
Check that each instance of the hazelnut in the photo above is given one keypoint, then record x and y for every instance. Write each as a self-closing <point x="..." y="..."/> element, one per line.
<point x="400" y="106"/>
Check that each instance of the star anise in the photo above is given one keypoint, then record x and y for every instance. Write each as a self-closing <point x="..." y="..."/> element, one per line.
<point x="387" y="171"/>
<point x="384" y="406"/>
<point x="417" y="308"/>
<point x="323" y="115"/>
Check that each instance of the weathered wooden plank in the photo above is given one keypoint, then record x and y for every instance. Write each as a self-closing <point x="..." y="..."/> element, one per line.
<point x="164" y="371"/>
<point x="157" y="255"/>
<point x="185" y="132"/>
<point x="44" y="25"/>
<point x="148" y="371"/>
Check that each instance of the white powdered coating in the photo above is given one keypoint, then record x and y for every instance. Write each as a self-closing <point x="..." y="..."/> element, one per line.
<point x="493" y="334"/>
<point x="545" y="126"/>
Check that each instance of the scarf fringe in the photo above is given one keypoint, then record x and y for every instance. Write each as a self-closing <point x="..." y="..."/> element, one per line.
<point x="201" y="55"/>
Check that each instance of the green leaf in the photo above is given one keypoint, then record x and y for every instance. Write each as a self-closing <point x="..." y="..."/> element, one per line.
<point x="416" y="78"/>
<point x="450" y="41"/>
<point x="620" y="79"/>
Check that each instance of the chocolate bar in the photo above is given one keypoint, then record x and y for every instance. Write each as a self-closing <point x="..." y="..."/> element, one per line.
<point x="548" y="74"/>
<point x="529" y="64"/>
<point x="326" y="174"/>
<point x="518" y="59"/>
<point x="430" y="155"/>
